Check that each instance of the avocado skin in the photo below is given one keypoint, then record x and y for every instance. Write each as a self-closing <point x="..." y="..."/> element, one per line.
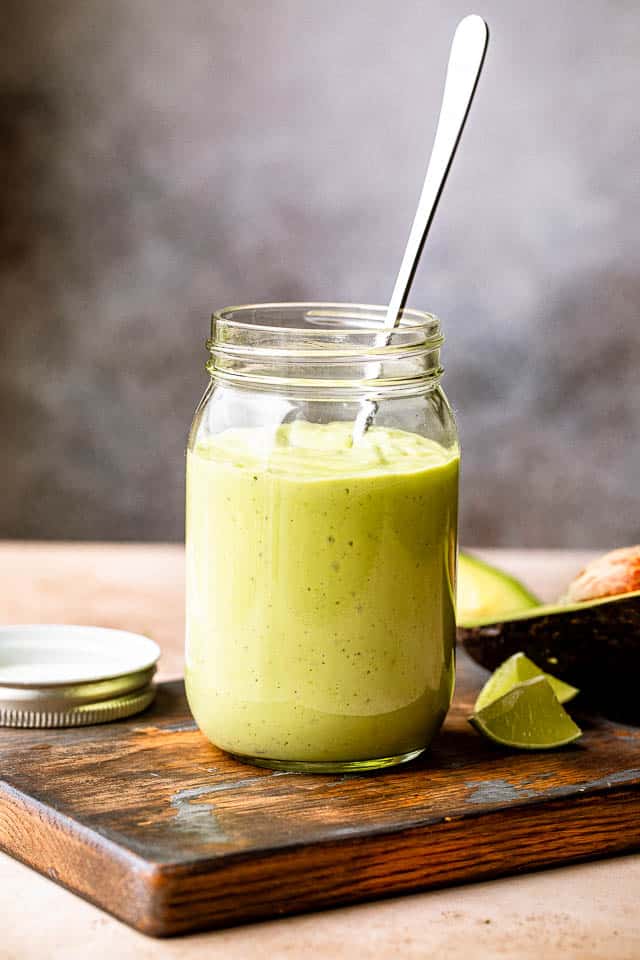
<point x="596" y="648"/>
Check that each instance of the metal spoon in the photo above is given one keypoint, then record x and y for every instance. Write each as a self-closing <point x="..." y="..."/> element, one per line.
<point x="468" y="48"/>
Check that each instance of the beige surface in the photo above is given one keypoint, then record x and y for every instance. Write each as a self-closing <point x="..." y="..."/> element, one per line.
<point x="587" y="911"/>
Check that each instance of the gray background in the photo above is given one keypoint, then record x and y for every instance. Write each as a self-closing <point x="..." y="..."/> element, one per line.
<point x="160" y="159"/>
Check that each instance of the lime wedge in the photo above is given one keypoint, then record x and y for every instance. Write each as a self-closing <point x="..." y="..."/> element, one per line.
<point x="528" y="717"/>
<point x="513" y="671"/>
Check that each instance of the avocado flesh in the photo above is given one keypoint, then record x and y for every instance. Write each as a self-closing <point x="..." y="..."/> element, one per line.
<point x="594" y="645"/>
<point x="486" y="594"/>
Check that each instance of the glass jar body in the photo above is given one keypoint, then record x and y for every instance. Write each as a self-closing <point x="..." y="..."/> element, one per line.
<point x="321" y="550"/>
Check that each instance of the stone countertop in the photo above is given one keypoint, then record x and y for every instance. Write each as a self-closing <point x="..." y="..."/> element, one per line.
<point x="587" y="911"/>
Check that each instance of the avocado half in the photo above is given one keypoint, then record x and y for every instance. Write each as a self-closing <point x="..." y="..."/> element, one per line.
<point x="594" y="644"/>
<point x="486" y="593"/>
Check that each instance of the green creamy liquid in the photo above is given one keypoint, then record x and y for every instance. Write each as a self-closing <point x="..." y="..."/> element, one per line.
<point x="320" y="595"/>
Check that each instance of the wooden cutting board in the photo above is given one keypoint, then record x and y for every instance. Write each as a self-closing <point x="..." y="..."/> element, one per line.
<point x="149" y="821"/>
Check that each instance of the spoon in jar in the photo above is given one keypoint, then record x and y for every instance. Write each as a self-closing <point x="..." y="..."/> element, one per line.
<point x="466" y="58"/>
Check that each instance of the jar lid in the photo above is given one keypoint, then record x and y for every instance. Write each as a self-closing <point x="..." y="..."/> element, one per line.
<point x="54" y="675"/>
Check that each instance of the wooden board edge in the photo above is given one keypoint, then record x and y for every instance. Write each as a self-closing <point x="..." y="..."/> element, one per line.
<point x="83" y="861"/>
<point x="469" y="848"/>
<point x="165" y="900"/>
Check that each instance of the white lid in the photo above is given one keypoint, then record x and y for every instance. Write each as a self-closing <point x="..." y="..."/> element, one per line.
<point x="59" y="675"/>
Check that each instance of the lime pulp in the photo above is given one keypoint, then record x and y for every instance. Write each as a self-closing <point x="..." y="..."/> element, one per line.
<point x="517" y="669"/>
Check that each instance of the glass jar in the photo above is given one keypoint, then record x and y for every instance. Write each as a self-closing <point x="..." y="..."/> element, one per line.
<point x="322" y="488"/>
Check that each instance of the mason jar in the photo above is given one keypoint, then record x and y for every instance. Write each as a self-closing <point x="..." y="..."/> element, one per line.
<point x="321" y="536"/>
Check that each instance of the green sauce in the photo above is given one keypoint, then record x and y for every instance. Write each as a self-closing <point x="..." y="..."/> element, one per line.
<point x="320" y="610"/>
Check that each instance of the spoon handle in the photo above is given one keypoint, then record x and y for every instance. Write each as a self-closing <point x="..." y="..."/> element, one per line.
<point x="468" y="48"/>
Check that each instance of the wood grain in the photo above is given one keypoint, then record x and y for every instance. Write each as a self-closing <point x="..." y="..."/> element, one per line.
<point x="149" y="821"/>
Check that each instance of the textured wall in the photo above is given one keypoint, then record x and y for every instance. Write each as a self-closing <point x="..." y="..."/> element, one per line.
<point x="163" y="158"/>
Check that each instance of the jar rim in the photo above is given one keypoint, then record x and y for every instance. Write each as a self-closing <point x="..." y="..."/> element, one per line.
<point x="367" y="319"/>
<point x="314" y="344"/>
